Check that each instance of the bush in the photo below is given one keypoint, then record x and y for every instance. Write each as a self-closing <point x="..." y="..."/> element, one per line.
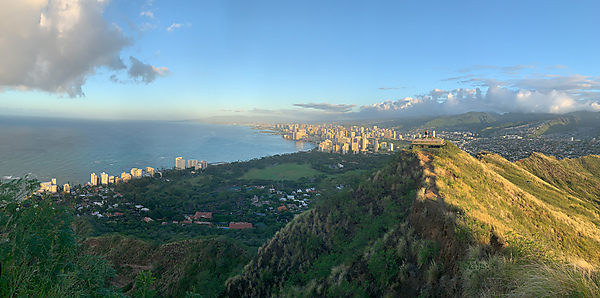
<point x="39" y="252"/>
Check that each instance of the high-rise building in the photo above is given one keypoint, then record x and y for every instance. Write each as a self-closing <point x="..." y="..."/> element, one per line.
<point x="150" y="171"/>
<point x="180" y="163"/>
<point x="125" y="176"/>
<point x="49" y="186"/>
<point x="336" y="148"/>
<point x="104" y="178"/>
<point x="136" y="173"/>
<point x="203" y="164"/>
<point x="345" y="148"/>
<point x="364" y="144"/>
<point x="94" y="179"/>
<point x="326" y="146"/>
<point x="355" y="146"/>
<point x="67" y="188"/>
<point x="111" y="179"/>
<point x="191" y="163"/>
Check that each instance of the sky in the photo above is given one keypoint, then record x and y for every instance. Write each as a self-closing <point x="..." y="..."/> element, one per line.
<point x="301" y="60"/>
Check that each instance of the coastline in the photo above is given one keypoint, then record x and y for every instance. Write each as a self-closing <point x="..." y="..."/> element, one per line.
<point x="70" y="150"/>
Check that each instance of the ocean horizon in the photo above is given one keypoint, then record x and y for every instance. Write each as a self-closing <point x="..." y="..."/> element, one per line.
<point x="71" y="149"/>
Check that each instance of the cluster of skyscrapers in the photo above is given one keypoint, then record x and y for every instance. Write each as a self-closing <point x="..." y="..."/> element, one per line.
<point x="340" y="139"/>
<point x="182" y="164"/>
<point x="52" y="187"/>
<point x="105" y="179"/>
<point x="135" y="173"/>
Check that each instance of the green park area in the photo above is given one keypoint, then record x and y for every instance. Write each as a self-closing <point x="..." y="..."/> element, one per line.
<point x="287" y="171"/>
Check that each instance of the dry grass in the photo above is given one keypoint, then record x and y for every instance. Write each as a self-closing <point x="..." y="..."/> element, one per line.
<point x="495" y="193"/>
<point x="551" y="280"/>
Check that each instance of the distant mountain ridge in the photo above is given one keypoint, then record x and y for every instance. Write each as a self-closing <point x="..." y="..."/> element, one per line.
<point x="481" y="122"/>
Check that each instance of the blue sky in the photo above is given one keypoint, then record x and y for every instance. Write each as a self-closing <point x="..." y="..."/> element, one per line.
<point x="303" y="60"/>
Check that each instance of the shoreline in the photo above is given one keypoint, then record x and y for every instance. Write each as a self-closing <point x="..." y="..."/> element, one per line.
<point x="114" y="147"/>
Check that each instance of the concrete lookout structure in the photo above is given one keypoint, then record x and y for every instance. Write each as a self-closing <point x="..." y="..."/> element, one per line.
<point x="429" y="141"/>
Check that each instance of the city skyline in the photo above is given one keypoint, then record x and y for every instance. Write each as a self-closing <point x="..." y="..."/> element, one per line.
<point x="299" y="60"/>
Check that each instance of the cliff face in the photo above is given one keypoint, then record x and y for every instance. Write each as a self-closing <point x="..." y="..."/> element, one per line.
<point x="439" y="223"/>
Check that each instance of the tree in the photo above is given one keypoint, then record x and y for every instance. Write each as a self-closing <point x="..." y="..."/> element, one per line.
<point x="38" y="249"/>
<point x="143" y="282"/>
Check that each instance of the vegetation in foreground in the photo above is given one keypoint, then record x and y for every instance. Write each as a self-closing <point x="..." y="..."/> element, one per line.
<point x="39" y="252"/>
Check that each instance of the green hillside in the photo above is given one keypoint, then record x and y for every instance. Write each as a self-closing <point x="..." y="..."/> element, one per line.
<point x="196" y="266"/>
<point x="442" y="223"/>
<point x="475" y="119"/>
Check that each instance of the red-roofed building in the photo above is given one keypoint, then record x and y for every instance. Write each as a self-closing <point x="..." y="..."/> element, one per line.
<point x="202" y="215"/>
<point x="240" y="225"/>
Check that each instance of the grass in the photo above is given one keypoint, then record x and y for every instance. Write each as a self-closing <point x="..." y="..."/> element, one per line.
<point x="544" y="211"/>
<point x="500" y="276"/>
<point x="553" y="280"/>
<point x="524" y="207"/>
<point x="288" y="171"/>
<point x="496" y="193"/>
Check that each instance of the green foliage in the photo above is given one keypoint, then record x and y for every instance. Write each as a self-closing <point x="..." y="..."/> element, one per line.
<point x="355" y="243"/>
<point x="174" y="269"/>
<point x="39" y="252"/>
<point x="471" y="118"/>
<point x="282" y="172"/>
<point x="144" y="282"/>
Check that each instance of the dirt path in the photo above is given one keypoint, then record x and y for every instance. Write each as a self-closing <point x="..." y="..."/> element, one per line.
<point x="431" y="191"/>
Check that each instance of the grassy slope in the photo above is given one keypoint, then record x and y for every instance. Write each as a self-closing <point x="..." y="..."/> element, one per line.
<point x="475" y="119"/>
<point x="472" y="227"/>
<point x="579" y="177"/>
<point x="518" y="205"/>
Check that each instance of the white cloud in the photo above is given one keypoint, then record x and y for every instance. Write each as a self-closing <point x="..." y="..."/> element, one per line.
<point x="532" y="101"/>
<point x="145" y="73"/>
<point x="177" y="26"/>
<point x="55" y="46"/>
<point x="174" y="27"/>
<point x="556" y="95"/>
<point x="569" y="84"/>
<point x="148" y="14"/>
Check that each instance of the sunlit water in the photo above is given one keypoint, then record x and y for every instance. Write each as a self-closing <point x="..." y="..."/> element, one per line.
<point x="70" y="150"/>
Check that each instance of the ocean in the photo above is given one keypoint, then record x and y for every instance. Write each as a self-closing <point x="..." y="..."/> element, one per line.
<point x="70" y="150"/>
